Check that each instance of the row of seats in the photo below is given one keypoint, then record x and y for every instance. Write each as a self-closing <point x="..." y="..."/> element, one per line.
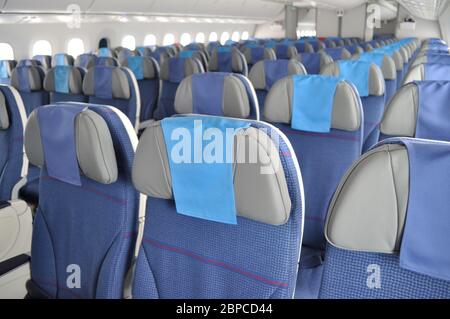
<point x="273" y="209"/>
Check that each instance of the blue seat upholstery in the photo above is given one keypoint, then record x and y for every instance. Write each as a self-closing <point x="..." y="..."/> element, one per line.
<point x="62" y="59"/>
<point x="313" y="62"/>
<point x="114" y="86"/>
<point x="97" y="218"/>
<point x="65" y="84"/>
<point x="144" y="50"/>
<point x="6" y="67"/>
<point x="146" y="71"/>
<point x="428" y="72"/>
<point x="106" y="52"/>
<point x="285" y="52"/>
<point x="45" y="60"/>
<point x="162" y="54"/>
<point x="323" y="158"/>
<point x="372" y="226"/>
<point x="338" y="53"/>
<point x="373" y="99"/>
<point x="86" y="60"/>
<point x="13" y="163"/>
<point x="105" y="61"/>
<point x="173" y="71"/>
<point x="29" y="81"/>
<point x="228" y="59"/>
<point x="254" y="54"/>
<point x="227" y="94"/>
<point x="419" y="110"/>
<point x="196" y="54"/>
<point x="189" y="258"/>
<point x="265" y="74"/>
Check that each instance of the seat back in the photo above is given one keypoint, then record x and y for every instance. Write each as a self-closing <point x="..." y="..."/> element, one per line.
<point x="314" y="62"/>
<point x="65" y="84"/>
<point x="371" y="91"/>
<point x="6" y="67"/>
<point x="428" y="72"/>
<point x="254" y="54"/>
<point x="338" y="53"/>
<point x="114" y="86"/>
<point x="265" y="74"/>
<point x="87" y="201"/>
<point x="13" y="162"/>
<point x="218" y="94"/>
<point x="45" y="60"/>
<point x="202" y="258"/>
<point x="29" y="81"/>
<point x="62" y="59"/>
<point x="303" y="46"/>
<point x="285" y="52"/>
<point x="420" y="110"/>
<point x="146" y="71"/>
<point x="106" y="52"/>
<point x="387" y="228"/>
<point x="431" y="58"/>
<point x="86" y="60"/>
<point x="173" y="71"/>
<point x="196" y="54"/>
<point x="228" y="59"/>
<point x="324" y="156"/>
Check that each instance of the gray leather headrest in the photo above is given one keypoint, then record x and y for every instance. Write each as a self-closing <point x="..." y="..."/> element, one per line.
<point x="4" y="116"/>
<point x="235" y="101"/>
<point x="398" y="60"/>
<point x="35" y="78"/>
<point x="237" y="60"/>
<point x="149" y="67"/>
<point x="416" y="73"/>
<point x="269" y="54"/>
<point x="260" y="197"/>
<point x="75" y="81"/>
<point x="191" y="66"/>
<point x="257" y="74"/>
<point x="347" y="111"/>
<point x="95" y="150"/>
<point x="376" y="78"/>
<point x="369" y="207"/>
<point x="400" y="116"/>
<point x="120" y="84"/>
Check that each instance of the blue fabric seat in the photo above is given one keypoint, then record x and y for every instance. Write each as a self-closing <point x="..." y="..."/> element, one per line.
<point x="13" y="163"/>
<point x="371" y="91"/>
<point x="313" y="62"/>
<point x="173" y="71"/>
<point x="428" y="72"/>
<point x="87" y="203"/>
<point x="419" y="110"/>
<point x="218" y="94"/>
<point x="324" y="158"/>
<point x="338" y="53"/>
<point x="45" y="60"/>
<point x="6" y="67"/>
<point x="285" y="52"/>
<point x="228" y="59"/>
<point x="254" y="54"/>
<point x="146" y="71"/>
<point x="193" y="258"/>
<point x="86" y="60"/>
<point x="114" y="86"/>
<point x="62" y="59"/>
<point x="265" y="74"/>
<point x="65" y="84"/>
<point x="29" y="81"/>
<point x="387" y="228"/>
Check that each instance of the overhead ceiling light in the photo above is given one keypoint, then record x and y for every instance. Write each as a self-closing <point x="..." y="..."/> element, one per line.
<point x="123" y="19"/>
<point x="162" y="19"/>
<point x="141" y="19"/>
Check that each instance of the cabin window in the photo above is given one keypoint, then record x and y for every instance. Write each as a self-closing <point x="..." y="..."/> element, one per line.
<point x="150" y="40"/>
<point x="169" y="39"/>
<point x="75" y="47"/>
<point x="236" y="36"/>
<point x="6" y="52"/>
<point x="42" y="47"/>
<point x="224" y="37"/>
<point x="244" y="35"/>
<point x="200" y="37"/>
<point x="185" y="39"/>
<point x="129" y="42"/>
<point x="213" y="37"/>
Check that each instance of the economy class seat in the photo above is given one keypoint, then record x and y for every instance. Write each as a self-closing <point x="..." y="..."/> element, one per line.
<point x="387" y="229"/>
<point x="303" y="46"/>
<point x="419" y="110"/>
<point x="196" y="54"/>
<point x="325" y="149"/>
<point x="173" y="71"/>
<point x="428" y="72"/>
<point x="6" y="67"/>
<point x="62" y="59"/>
<point x="65" y="83"/>
<point x="87" y="201"/>
<point x="28" y="79"/>
<point x="106" y="52"/>
<point x="85" y="60"/>
<point x="265" y="74"/>
<point x="314" y="62"/>
<point x="339" y="53"/>
<point x="222" y="253"/>
<point x="45" y="60"/>
<point x="431" y="58"/>
<point x="228" y="59"/>
<point x="218" y="94"/>
<point x="146" y="71"/>
<point x="285" y="52"/>
<point x="114" y="86"/>
<point x="254" y="54"/>
<point x="145" y="51"/>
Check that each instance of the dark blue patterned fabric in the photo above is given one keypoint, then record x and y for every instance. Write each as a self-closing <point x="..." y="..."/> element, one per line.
<point x="11" y="146"/>
<point x="346" y="274"/>
<point x="202" y="259"/>
<point x="166" y="104"/>
<point x="96" y="221"/>
<point x="373" y="107"/>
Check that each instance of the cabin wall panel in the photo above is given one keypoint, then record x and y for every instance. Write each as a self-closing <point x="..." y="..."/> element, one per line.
<point x="424" y="28"/>
<point x="327" y="23"/>
<point x="354" y="22"/>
